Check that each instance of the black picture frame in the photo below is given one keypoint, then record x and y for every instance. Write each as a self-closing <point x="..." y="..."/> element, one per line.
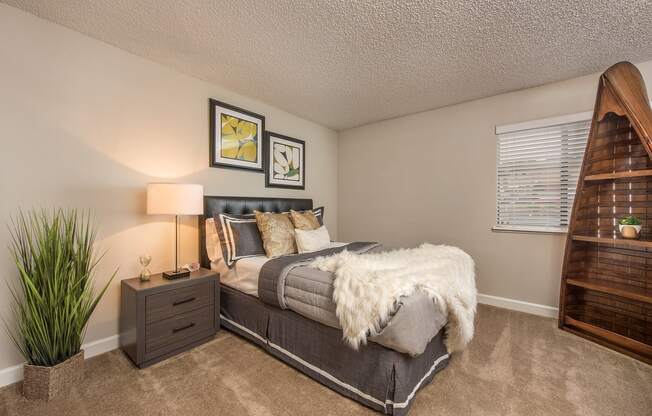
<point x="214" y="162"/>
<point x="270" y="182"/>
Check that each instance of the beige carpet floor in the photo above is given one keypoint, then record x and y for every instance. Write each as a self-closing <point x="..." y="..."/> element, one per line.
<point x="518" y="364"/>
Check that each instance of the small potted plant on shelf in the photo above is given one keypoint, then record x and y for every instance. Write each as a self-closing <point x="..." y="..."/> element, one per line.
<point x="54" y="299"/>
<point x="629" y="226"/>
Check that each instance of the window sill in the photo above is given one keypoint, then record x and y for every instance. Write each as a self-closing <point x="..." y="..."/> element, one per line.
<point x="528" y="230"/>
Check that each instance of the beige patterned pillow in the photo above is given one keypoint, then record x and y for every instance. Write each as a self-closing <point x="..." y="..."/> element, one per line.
<point x="277" y="233"/>
<point x="304" y="220"/>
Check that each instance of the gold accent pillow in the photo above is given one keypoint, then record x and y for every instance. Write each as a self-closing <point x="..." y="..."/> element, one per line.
<point x="277" y="233"/>
<point x="304" y="220"/>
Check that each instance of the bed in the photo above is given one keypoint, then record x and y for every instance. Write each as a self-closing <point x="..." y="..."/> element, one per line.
<point x="302" y="331"/>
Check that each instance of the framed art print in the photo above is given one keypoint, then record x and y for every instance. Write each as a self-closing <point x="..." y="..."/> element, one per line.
<point x="235" y="137"/>
<point x="285" y="162"/>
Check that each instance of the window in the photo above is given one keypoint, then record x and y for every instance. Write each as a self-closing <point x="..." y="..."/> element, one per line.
<point x="537" y="168"/>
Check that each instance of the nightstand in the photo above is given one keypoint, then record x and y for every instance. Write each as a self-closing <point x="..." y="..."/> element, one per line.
<point x="160" y="318"/>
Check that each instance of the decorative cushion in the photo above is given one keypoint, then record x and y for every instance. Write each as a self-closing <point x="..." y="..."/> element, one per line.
<point x="312" y="240"/>
<point x="307" y="220"/>
<point x="319" y="213"/>
<point x="239" y="237"/>
<point x="276" y="232"/>
<point x="304" y="220"/>
<point x="213" y="248"/>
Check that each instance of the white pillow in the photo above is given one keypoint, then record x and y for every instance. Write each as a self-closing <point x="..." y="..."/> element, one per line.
<point x="312" y="240"/>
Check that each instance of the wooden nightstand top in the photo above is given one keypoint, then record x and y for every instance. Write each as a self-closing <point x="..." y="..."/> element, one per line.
<point x="158" y="283"/>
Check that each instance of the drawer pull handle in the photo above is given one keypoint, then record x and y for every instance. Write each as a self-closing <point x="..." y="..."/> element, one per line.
<point x="183" y="328"/>
<point x="181" y="302"/>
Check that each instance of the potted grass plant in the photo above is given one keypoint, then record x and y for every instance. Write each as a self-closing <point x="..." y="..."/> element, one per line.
<point x="55" y="297"/>
<point x="629" y="226"/>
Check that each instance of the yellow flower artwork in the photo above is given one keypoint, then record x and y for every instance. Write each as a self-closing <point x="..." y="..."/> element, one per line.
<point x="239" y="139"/>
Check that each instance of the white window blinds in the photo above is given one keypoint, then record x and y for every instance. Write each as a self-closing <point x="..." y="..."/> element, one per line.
<point x="537" y="171"/>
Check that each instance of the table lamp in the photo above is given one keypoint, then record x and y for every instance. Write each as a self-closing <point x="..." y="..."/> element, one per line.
<point x="175" y="199"/>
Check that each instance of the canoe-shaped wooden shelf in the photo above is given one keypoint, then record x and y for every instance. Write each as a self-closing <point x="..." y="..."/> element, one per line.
<point x="619" y="175"/>
<point x="626" y="291"/>
<point x="617" y="339"/>
<point x="596" y="300"/>
<point x="623" y="242"/>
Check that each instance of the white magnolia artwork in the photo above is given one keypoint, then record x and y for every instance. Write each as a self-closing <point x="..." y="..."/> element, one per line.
<point x="285" y="162"/>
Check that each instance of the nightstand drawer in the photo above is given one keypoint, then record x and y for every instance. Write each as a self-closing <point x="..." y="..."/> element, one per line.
<point x="174" y="302"/>
<point x="172" y="333"/>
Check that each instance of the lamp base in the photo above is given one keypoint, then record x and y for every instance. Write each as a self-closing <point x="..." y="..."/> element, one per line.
<point x="171" y="275"/>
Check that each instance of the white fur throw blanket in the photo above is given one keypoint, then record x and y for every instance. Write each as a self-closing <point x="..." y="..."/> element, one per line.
<point x="367" y="287"/>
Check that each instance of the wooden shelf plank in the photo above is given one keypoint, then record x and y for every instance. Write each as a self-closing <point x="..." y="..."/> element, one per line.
<point x="616" y="132"/>
<point x="619" y="175"/>
<point x="613" y="241"/>
<point x="606" y="343"/>
<point x="618" y="289"/>
<point x="620" y="340"/>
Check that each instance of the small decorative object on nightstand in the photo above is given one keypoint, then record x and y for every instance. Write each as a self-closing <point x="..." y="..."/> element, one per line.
<point x="144" y="261"/>
<point x="160" y="318"/>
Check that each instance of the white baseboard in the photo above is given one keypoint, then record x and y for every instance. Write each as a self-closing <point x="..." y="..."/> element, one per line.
<point x="519" y="305"/>
<point x="101" y="346"/>
<point x="14" y="373"/>
<point x="11" y="375"/>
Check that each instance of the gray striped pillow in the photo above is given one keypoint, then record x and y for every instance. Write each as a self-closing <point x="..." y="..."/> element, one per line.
<point x="239" y="237"/>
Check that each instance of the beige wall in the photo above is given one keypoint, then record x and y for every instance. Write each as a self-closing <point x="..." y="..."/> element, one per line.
<point x="83" y="124"/>
<point x="432" y="177"/>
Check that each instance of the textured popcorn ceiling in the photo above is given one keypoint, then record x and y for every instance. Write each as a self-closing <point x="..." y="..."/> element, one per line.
<point x="347" y="63"/>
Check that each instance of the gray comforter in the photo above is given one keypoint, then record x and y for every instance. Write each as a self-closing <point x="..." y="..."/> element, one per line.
<point x="288" y="283"/>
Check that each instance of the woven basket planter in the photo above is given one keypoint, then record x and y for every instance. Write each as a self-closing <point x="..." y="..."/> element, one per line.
<point x="45" y="383"/>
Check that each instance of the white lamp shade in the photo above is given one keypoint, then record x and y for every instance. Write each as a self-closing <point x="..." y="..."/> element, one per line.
<point x="175" y="199"/>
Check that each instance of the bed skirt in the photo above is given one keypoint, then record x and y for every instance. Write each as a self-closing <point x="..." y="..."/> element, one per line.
<point x="382" y="379"/>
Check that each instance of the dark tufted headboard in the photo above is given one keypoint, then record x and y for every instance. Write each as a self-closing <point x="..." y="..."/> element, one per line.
<point x="242" y="205"/>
